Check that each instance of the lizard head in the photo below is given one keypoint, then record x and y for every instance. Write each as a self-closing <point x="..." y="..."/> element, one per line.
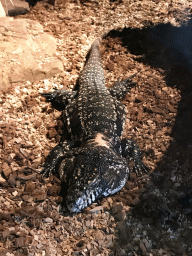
<point x="95" y="172"/>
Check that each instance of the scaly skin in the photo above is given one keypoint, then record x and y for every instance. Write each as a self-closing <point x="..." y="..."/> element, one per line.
<point x="94" y="162"/>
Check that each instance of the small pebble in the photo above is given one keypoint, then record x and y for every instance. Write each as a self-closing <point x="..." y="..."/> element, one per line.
<point x="48" y="220"/>
<point x="39" y="246"/>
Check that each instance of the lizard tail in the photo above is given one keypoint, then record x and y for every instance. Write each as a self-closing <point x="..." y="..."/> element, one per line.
<point x="98" y="40"/>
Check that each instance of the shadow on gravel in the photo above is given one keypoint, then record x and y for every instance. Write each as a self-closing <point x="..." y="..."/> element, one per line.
<point x="168" y="48"/>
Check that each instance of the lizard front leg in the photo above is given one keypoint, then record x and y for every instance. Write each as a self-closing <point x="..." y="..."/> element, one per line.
<point x="120" y="88"/>
<point x="131" y="150"/>
<point x="59" y="98"/>
<point x="55" y="156"/>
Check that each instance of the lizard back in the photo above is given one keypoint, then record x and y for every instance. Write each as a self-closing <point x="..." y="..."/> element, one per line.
<point x="94" y="109"/>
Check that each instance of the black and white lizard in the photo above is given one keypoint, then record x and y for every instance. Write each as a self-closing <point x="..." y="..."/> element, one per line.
<point x="94" y="162"/>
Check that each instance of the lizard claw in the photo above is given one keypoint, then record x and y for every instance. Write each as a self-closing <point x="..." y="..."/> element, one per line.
<point x="46" y="172"/>
<point x="140" y="168"/>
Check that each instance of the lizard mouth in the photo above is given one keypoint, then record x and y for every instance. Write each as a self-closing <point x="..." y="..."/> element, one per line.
<point x="83" y="201"/>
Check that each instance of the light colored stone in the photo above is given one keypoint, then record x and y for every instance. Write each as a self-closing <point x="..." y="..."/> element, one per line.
<point x="48" y="220"/>
<point x="96" y="209"/>
<point x="15" y="7"/>
<point x="6" y="169"/>
<point x="2" y="11"/>
<point x="26" y="52"/>
<point x="2" y="180"/>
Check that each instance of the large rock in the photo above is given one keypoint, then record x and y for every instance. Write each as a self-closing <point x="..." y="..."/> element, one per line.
<point x="2" y="12"/>
<point x="26" y="52"/>
<point x="15" y="7"/>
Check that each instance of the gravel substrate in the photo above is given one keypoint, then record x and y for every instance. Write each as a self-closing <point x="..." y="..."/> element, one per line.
<point x="151" y="215"/>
